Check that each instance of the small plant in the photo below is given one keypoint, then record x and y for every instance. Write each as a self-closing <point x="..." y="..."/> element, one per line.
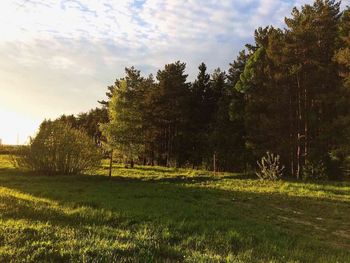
<point x="269" y="167"/>
<point x="314" y="171"/>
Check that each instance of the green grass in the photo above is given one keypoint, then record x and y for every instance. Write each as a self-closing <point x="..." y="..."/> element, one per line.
<point x="154" y="214"/>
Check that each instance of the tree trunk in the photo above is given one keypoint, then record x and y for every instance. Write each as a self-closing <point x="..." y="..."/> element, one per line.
<point x="306" y="138"/>
<point x="299" y="118"/>
<point x="292" y="134"/>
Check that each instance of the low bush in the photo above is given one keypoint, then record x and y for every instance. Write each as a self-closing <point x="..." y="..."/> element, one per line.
<point x="270" y="167"/>
<point x="9" y="149"/>
<point x="60" y="149"/>
<point x="314" y="171"/>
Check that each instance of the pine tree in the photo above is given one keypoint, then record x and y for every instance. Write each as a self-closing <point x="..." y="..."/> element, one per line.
<point x="341" y="151"/>
<point x="265" y="98"/>
<point x="242" y="157"/>
<point x="311" y="43"/>
<point x="199" y="116"/>
<point x="125" y="131"/>
<point x="170" y="100"/>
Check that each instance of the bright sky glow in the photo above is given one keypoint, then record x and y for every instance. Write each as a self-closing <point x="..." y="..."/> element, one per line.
<point x="58" y="56"/>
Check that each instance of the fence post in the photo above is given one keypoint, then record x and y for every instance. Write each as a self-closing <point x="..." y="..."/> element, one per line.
<point x="214" y="160"/>
<point x="110" y="164"/>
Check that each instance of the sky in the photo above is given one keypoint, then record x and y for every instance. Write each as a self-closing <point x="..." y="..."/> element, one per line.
<point x="58" y="56"/>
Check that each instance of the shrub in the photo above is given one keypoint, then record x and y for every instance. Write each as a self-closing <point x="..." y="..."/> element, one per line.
<point x="60" y="149"/>
<point x="269" y="167"/>
<point x="314" y="171"/>
<point x="9" y="149"/>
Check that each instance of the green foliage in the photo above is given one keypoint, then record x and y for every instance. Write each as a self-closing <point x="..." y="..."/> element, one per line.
<point x="314" y="171"/>
<point x="89" y="122"/>
<point x="294" y="100"/>
<point x="60" y="149"/>
<point x="200" y="117"/>
<point x="342" y="150"/>
<point x="247" y="76"/>
<point x="171" y="114"/>
<point x="125" y="129"/>
<point x="270" y="167"/>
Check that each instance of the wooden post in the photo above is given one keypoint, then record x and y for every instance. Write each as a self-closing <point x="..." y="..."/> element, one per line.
<point x="110" y="164"/>
<point x="214" y="160"/>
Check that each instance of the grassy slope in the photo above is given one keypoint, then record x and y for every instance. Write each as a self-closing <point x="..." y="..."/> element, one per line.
<point x="160" y="215"/>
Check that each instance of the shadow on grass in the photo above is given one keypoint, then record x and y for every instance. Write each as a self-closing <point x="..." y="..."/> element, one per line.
<point x="182" y="204"/>
<point x="157" y="169"/>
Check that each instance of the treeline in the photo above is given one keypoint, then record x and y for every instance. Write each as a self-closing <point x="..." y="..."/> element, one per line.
<point x="169" y="121"/>
<point x="8" y="149"/>
<point x="288" y="93"/>
<point x="89" y="122"/>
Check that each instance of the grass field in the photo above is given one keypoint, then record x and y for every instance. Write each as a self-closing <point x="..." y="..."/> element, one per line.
<point x="153" y="214"/>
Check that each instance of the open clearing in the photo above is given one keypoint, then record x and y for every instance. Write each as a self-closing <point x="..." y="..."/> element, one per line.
<point x="154" y="214"/>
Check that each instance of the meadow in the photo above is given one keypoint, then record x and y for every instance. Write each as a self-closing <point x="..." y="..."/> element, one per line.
<point x="155" y="214"/>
